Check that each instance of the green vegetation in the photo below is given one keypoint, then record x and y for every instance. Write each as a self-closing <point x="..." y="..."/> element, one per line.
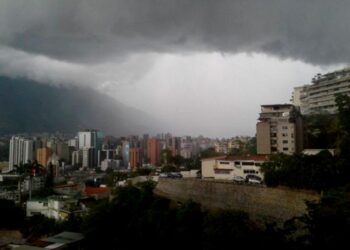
<point x="4" y="150"/>
<point x="248" y="148"/>
<point x="11" y="216"/>
<point x="178" y="161"/>
<point x="319" y="172"/>
<point x="328" y="221"/>
<point x="137" y="218"/>
<point x="319" y="130"/>
<point x="168" y="169"/>
<point x="209" y="152"/>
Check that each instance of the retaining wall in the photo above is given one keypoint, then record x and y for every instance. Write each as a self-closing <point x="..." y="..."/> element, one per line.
<point x="259" y="201"/>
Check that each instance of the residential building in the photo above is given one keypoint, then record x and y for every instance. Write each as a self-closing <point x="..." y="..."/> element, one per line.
<point x="43" y="155"/>
<point x="319" y="97"/>
<point x="63" y="151"/>
<point x="105" y="154"/>
<point x="56" y="207"/>
<point x="73" y="142"/>
<point x="90" y="142"/>
<point x="109" y="163"/>
<point x="77" y="157"/>
<point x="20" y="152"/>
<point x="279" y="130"/>
<point x="144" y="147"/>
<point x="89" y="158"/>
<point x="153" y="150"/>
<point x="228" y="167"/>
<point x="135" y="158"/>
<point x="125" y="153"/>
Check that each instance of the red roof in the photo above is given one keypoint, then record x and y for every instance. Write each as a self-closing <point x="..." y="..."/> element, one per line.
<point x="97" y="190"/>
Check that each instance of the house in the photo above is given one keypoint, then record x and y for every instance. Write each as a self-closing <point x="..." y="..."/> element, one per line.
<point x="56" y="207"/>
<point x="227" y="167"/>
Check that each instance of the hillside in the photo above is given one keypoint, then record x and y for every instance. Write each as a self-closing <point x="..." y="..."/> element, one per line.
<point x="28" y="106"/>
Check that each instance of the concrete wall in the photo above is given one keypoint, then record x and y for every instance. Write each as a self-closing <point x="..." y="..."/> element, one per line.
<point x="263" y="140"/>
<point x="260" y="202"/>
<point x="207" y="168"/>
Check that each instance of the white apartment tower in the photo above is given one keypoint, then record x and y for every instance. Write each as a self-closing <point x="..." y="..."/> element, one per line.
<point x="21" y="151"/>
<point x="89" y="143"/>
<point x="319" y="97"/>
<point x="279" y="130"/>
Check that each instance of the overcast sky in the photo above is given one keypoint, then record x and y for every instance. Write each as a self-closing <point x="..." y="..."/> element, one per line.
<point x="205" y="66"/>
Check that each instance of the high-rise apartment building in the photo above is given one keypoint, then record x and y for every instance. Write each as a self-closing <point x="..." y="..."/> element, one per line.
<point x="153" y="151"/>
<point x="77" y="157"/>
<point x="90" y="142"/>
<point x="43" y="155"/>
<point x="135" y="158"/>
<point x="21" y="151"/>
<point x="125" y="153"/>
<point x="279" y="130"/>
<point x="144" y="147"/>
<point x="320" y="96"/>
<point x="88" y="159"/>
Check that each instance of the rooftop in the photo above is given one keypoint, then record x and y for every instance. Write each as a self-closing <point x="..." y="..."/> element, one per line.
<point x="65" y="237"/>
<point x="96" y="190"/>
<point x="276" y="105"/>
<point x="240" y="158"/>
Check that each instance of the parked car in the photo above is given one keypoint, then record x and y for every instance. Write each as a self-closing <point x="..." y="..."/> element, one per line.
<point x="163" y="175"/>
<point x="253" y="179"/>
<point x="239" y="179"/>
<point x="175" y="175"/>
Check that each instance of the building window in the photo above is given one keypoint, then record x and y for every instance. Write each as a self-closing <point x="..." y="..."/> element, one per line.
<point x="222" y="171"/>
<point x="284" y="141"/>
<point x="224" y="162"/>
<point x="285" y="149"/>
<point x="284" y="134"/>
<point x="249" y="163"/>
<point x="250" y="171"/>
<point x="284" y="127"/>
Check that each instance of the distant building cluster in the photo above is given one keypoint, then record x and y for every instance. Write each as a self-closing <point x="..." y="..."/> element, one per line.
<point x="91" y="149"/>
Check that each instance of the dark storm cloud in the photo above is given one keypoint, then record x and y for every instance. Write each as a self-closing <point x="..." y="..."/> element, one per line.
<point x="317" y="32"/>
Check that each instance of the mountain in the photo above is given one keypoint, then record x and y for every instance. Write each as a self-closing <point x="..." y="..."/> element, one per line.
<point x="28" y="107"/>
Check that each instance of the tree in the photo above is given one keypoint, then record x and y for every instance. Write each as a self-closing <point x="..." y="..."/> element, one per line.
<point x="320" y="130"/>
<point x="319" y="172"/>
<point x="343" y="131"/>
<point x="168" y="169"/>
<point x="178" y="160"/>
<point x="328" y="220"/>
<point x="209" y="152"/>
<point x="4" y="151"/>
<point x="166" y="156"/>
<point x="11" y="216"/>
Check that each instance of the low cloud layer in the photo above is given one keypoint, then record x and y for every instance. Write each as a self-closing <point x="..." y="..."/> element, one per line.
<point x="88" y="31"/>
<point x="203" y="65"/>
